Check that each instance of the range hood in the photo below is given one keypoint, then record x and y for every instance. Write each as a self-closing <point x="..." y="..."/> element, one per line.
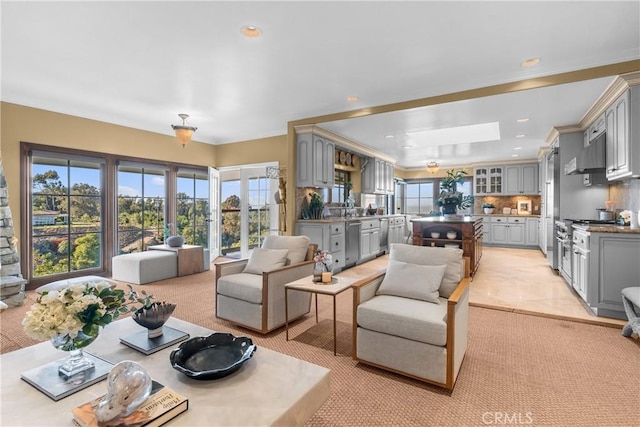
<point x="590" y="160"/>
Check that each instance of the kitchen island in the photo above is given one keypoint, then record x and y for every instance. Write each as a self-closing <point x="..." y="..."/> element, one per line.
<point x="461" y="232"/>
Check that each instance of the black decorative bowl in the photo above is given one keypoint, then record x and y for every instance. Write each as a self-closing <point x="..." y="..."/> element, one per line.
<point x="212" y="357"/>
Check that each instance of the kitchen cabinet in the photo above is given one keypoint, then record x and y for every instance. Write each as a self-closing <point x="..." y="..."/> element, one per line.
<point x="623" y="135"/>
<point x="488" y="180"/>
<point x="328" y="236"/>
<point x="509" y="231"/>
<point x="369" y="239"/>
<point x="521" y="179"/>
<point x="396" y="229"/>
<point x="531" y="228"/>
<point x="316" y="156"/>
<point x="593" y="131"/>
<point x="377" y="177"/>
<point x="580" y="263"/>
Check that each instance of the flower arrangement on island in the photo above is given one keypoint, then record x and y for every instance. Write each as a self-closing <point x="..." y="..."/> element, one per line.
<point x="74" y="315"/>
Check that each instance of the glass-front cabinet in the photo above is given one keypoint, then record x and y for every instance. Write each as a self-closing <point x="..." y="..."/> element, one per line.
<point x="488" y="180"/>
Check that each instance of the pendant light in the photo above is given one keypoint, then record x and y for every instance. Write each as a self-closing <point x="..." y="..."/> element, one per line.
<point x="184" y="132"/>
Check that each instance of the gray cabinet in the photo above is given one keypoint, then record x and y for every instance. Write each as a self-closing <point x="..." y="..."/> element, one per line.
<point x="521" y="179"/>
<point x="377" y="177"/>
<point x="580" y="263"/>
<point x="510" y="231"/>
<point x="315" y="167"/>
<point x="488" y="180"/>
<point x="531" y="228"/>
<point x="396" y="229"/>
<point x="369" y="239"/>
<point x="329" y="237"/>
<point x="623" y="133"/>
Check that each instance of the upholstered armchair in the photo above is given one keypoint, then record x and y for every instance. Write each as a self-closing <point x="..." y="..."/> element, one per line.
<point x="250" y="292"/>
<point x="412" y="319"/>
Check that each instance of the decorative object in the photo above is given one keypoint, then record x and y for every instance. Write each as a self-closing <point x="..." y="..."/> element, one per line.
<point x="153" y="317"/>
<point x="524" y="207"/>
<point x="450" y="198"/>
<point x="435" y="235"/>
<point x="488" y="208"/>
<point x="451" y="235"/>
<point x="322" y="265"/>
<point x="71" y="318"/>
<point x="212" y="357"/>
<point x="433" y="167"/>
<point x="624" y="217"/>
<point x="281" y="195"/>
<point x="171" y="239"/>
<point x="315" y="205"/>
<point x="128" y="385"/>
<point x="326" y="277"/>
<point x="184" y="132"/>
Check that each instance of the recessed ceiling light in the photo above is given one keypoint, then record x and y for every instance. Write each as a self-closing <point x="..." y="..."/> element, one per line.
<point x="530" y="62"/>
<point x="521" y="135"/>
<point x="389" y="136"/>
<point x="523" y="120"/>
<point x="251" y="32"/>
<point x="517" y="148"/>
<point x="352" y="98"/>
<point x="407" y="147"/>
<point x="515" y="155"/>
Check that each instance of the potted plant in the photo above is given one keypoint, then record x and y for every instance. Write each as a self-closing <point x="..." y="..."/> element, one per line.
<point x="450" y="198"/>
<point x="315" y="205"/>
<point x="488" y="208"/>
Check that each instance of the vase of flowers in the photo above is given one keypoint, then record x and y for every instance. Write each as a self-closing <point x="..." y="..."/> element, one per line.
<point x="323" y="261"/>
<point x="72" y="317"/>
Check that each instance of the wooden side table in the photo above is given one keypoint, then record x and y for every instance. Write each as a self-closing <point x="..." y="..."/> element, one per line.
<point x="190" y="257"/>
<point x="306" y="284"/>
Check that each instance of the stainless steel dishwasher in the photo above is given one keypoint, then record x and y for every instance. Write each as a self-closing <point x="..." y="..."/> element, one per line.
<point x="352" y="243"/>
<point x="384" y="235"/>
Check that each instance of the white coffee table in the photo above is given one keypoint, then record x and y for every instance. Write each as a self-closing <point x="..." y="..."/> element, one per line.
<point x="306" y="284"/>
<point x="270" y="389"/>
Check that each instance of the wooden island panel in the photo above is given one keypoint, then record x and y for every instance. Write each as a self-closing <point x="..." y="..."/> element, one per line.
<point x="468" y="235"/>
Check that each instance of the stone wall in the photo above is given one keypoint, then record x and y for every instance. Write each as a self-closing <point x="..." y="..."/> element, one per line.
<point x="12" y="284"/>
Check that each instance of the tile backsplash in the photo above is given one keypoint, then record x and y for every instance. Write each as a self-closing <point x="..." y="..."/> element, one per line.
<point x="502" y="202"/>
<point x="625" y="195"/>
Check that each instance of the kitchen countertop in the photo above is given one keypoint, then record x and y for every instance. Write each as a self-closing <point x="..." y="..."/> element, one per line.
<point x="446" y="219"/>
<point x="511" y="215"/>
<point x="605" y="228"/>
<point x="343" y="219"/>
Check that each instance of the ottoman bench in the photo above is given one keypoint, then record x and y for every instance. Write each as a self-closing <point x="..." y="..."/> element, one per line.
<point x="144" y="267"/>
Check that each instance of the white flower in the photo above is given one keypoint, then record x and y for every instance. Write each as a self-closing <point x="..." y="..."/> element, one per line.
<point x="625" y="216"/>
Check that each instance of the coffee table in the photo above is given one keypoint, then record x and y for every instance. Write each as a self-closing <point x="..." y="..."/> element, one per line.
<point x="270" y="389"/>
<point x="306" y="284"/>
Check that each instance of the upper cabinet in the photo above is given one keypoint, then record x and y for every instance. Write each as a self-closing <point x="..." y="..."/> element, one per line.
<point x="521" y="179"/>
<point x="377" y="177"/>
<point x="488" y="180"/>
<point x="623" y="135"/>
<point x="315" y="161"/>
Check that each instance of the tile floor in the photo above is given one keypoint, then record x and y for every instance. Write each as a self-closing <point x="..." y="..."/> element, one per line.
<point x="517" y="280"/>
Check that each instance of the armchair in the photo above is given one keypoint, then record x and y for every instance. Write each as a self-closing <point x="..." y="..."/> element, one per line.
<point x="412" y="318"/>
<point x="250" y="292"/>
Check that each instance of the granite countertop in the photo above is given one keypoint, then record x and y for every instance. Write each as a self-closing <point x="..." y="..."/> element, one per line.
<point x="470" y="219"/>
<point x="514" y="215"/>
<point x="343" y="219"/>
<point x="606" y="228"/>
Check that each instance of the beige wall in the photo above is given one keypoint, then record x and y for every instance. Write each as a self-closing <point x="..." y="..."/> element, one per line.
<point x="271" y="149"/>
<point x="20" y="123"/>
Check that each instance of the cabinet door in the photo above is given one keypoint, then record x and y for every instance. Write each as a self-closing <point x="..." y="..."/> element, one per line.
<point x="515" y="234"/>
<point x="531" y="226"/>
<point x="369" y="177"/>
<point x="622" y="134"/>
<point x="583" y="275"/>
<point x="389" y="178"/>
<point x="610" y="139"/>
<point x="480" y="180"/>
<point x="499" y="233"/>
<point x="305" y="161"/>
<point x="365" y="244"/>
<point x="575" y="269"/>
<point x="319" y="176"/>
<point x="375" y="242"/>
<point x="512" y="177"/>
<point x="496" y="180"/>
<point x="529" y="179"/>
<point x="328" y="163"/>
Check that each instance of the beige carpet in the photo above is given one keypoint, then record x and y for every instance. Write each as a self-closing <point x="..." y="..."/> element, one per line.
<point x="531" y="370"/>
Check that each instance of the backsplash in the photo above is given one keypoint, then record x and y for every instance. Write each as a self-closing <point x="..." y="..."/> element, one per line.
<point x="625" y="195"/>
<point x="502" y="202"/>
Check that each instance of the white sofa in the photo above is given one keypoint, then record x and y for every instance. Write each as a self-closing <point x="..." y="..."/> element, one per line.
<point x="407" y="330"/>
<point x="144" y="267"/>
<point x="250" y="292"/>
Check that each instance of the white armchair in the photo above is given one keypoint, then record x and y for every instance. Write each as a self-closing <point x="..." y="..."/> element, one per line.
<point x="250" y="292"/>
<point x="412" y="319"/>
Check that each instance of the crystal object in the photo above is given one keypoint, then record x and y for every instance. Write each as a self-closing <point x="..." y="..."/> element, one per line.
<point x="128" y="385"/>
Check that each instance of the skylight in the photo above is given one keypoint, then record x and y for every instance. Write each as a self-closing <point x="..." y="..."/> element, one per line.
<point x="457" y="135"/>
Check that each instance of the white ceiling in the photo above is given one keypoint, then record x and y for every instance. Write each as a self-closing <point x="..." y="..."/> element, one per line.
<point x="139" y="64"/>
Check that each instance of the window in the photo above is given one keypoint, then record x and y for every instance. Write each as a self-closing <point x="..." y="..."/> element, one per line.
<point x="193" y="207"/>
<point x="339" y="190"/>
<point x="66" y="213"/>
<point x="230" y="210"/>
<point x="419" y="195"/>
<point x="141" y="207"/>
<point x="259" y="213"/>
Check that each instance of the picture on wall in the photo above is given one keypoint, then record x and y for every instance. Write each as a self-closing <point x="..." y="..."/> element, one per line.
<point x="524" y="207"/>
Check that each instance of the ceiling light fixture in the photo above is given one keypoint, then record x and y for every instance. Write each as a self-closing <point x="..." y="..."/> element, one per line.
<point x="530" y="62"/>
<point x="184" y="132"/>
<point x="352" y="98"/>
<point x="433" y="167"/>
<point x="520" y="135"/>
<point x="251" y="32"/>
<point x="408" y="147"/>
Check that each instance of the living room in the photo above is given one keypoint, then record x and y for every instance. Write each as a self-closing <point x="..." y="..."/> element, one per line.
<point x="507" y="375"/>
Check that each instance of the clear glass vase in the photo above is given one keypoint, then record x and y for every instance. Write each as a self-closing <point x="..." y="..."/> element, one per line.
<point x="76" y="361"/>
<point x="318" y="269"/>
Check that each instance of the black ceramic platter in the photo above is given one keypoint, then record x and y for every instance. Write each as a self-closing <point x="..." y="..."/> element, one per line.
<point x="216" y="356"/>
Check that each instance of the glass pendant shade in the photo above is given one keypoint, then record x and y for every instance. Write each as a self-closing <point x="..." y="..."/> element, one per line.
<point x="184" y="132"/>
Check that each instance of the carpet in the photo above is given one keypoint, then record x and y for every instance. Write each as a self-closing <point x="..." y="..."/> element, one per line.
<point x="518" y="369"/>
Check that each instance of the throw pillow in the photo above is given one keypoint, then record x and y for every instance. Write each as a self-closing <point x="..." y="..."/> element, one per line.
<point x="265" y="260"/>
<point x="414" y="281"/>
